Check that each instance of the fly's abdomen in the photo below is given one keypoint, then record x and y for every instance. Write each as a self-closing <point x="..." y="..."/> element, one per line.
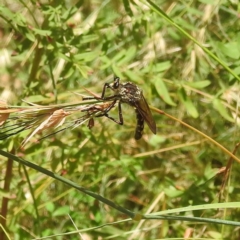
<point x="140" y="125"/>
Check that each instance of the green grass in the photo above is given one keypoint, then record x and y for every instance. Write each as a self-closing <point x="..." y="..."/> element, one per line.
<point x="185" y="57"/>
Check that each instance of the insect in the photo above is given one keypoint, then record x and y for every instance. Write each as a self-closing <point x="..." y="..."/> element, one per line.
<point x="99" y="110"/>
<point x="132" y="95"/>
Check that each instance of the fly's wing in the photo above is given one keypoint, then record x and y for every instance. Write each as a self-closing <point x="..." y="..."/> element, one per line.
<point x="145" y="111"/>
<point x="140" y="125"/>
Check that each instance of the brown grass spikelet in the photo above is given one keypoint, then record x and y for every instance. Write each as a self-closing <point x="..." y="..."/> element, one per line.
<point x="3" y="115"/>
<point x="54" y="119"/>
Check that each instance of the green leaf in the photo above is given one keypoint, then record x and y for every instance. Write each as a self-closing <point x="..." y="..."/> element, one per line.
<point x="191" y="109"/>
<point x="236" y="70"/>
<point x="5" y="194"/>
<point x="42" y="32"/>
<point x="69" y="13"/>
<point x="217" y="104"/>
<point x="4" y="11"/>
<point x="89" y="38"/>
<point x="163" y="91"/>
<point x="63" y="56"/>
<point x="106" y="62"/>
<point x="117" y="71"/>
<point x="133" y="76"/>
<point x="210" y="2"/>
<point x="185" y="24"/>
<point x="172" y="192"/>
<point x="119" y="56"/>
<point x="128" y="8"/>
<point x="161" y="67"/>
<point x="50" y="206"/>
<point x="230" y="49"/>
<point x="215" y="235"/>
<point x="195" y="11"/>
<point x="30" y="36"/>
<point x="20" y="20"/>
<point x="86" y="56"/>
<point x="199" y="84"/>
<point x="130" y="54"/>
<point x="36" y="98"/>
<point x="83" y="69"/>
<point x="157" y="68"/>
<point x="62" y="211"/>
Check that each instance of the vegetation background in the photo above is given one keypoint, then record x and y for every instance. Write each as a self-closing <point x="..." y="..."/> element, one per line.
<point x="50" y="50"/>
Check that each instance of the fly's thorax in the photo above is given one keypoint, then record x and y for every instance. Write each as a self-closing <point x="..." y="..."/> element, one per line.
<point x="129" y="93"/>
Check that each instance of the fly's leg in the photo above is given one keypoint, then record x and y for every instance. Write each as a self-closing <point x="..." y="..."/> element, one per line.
<point x="107" y="85"/>
<point x="120" y="121"/>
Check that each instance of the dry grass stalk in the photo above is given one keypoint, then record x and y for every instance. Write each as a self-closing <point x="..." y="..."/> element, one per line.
<point x="14" y="120"/>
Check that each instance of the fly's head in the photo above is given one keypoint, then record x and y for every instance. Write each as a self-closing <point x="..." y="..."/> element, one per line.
<point x="115" y="85"/>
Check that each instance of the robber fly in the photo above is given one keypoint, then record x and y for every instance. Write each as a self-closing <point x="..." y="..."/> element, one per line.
<point x="132" y="95"/>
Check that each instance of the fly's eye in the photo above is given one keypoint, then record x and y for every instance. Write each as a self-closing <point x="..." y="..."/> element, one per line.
<point x="116" y="82"/>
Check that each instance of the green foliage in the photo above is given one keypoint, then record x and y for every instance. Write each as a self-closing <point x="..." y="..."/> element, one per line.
<point x="184" y="55"/>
